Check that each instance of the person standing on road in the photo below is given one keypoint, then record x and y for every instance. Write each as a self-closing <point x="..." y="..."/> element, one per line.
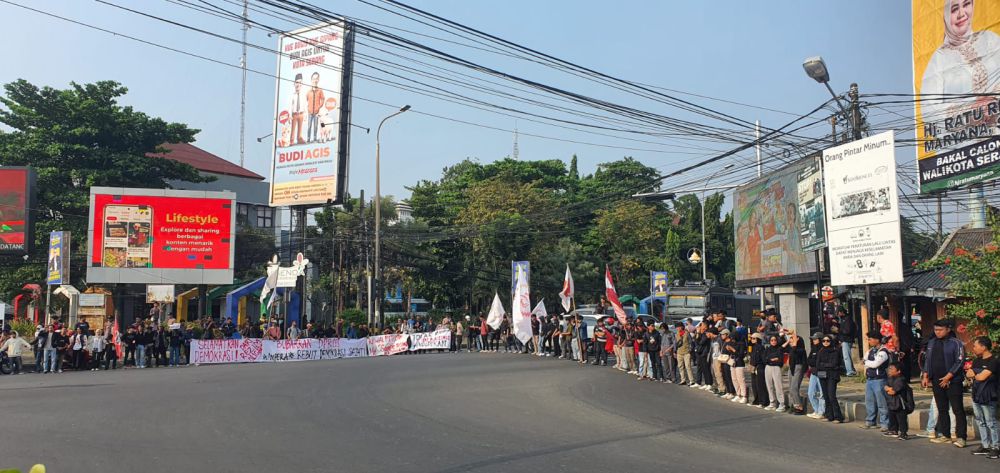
<point x="667" y="348"/>
<point x="757" y="362"/>
<point x="628" y="349"/>
<point x="654" y="341"/>
<point x="876" y="362"/>
<point x="97" y="346"/>
<point x="472" y="332"/>
<point x="536" y="330"/>
<point x="982" y="372"/>
<point x="942" y="365"/>
<point x="144" y="349"/>
<point x="15" y="347"/>
<point x="815" y="391"/>
<point x="48" y="342"/>
<point x="177" y="341"/>
<point x="726" y="363"/>
<point x="848" y="334"/>
<point x="79" y="343"/>
<point x="600" y="342"/>
<point x="796" y="349"/>
<point x="900" y="401"/>
<point x="829" y="362"/>
<point x="774" y="356"/>
<point x="715" y="359"/>
<point x="110" y="352"/>
<point x="293" y="331"/>
<point x="61" y="348"/>
<point x="130" y="342"/>
<point x="685" y="371"/>
<point x="736" y="347"/>
<point x="641" y="354"/>
<point x="582" y="338"/>
<point x="39" y="350"/>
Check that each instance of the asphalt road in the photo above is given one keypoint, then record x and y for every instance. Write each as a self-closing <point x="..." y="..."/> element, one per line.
<point x="423" y="413"/>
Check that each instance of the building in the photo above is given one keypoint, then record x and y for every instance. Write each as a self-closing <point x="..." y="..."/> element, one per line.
<point x="404" y="212"/>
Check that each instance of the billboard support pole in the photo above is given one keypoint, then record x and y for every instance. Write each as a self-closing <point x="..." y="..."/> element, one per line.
<point x="48" y="298"/>
<point x="819" y="288"/>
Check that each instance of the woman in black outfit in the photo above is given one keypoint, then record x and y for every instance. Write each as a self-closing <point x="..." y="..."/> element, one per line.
<point x="757" y="360"/>
<point x="829" y="363"/>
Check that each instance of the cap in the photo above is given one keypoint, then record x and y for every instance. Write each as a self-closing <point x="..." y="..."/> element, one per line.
<point x="724" y="331"/>
<point x="817" y="336"/>
<point x="757" y="336"/>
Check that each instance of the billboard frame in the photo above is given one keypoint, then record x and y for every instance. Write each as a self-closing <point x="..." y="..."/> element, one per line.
<point x="30" y="181"/>
<point x="102" y="275"/>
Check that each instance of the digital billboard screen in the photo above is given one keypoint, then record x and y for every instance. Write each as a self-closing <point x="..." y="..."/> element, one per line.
<point x="157" y="236"/>
<point x="16" y="198"/>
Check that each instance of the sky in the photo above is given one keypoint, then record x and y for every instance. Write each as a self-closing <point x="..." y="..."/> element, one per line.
<point x="746" y="52"/>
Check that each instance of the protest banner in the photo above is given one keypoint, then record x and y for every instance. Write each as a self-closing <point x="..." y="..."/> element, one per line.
<point x="255" y="350"/>
<point x="382" y="345"/>
<point x="436" y="340"/>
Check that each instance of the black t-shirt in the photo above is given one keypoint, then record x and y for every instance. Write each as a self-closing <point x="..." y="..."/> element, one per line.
<point x="984" y="392"/>
<point x="938" y="365"/>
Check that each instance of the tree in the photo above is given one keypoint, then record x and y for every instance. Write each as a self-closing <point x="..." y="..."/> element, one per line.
<point x="626" y="236"/>
<point x="77" y="138"/>
<point x="975" y="281"/>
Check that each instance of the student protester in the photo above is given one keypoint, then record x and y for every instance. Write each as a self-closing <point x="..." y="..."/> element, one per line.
<point x="829" y="363"/>
<point x="796" y="349"/>
<point x="78" y="342"/>
<point x="703" y="344"/>
<point x="62" y="343"/>
<point x="715" y="358"/>
<point x="982" y="372"/>
<point x="815" y="391"/>
<point x="653" y="342"/>
<point x="774" y="360"/>
<point x="736" y="347"/>
<point x="15" y="347"/>
<point x="39" y="351"/>
<point x="667" y="348"/>
<point x="942" y="365"/>
<point x="876" y="362"/>
<point x="48" y="341"/>
<point x="726" y="363"/>
<point x="600" y="342"/>
<point x="97" y="345"/>
<point x="582" y="338"/>
<point x="177" y="341"/>
<point x="130" y="342"/>
<point x="641" y="353"/>
<point x="848" y="334"/>
<point x="758" y="362"/>
<point x="628" y="349"/>
<point x="484" y="333"/>
<point x="684" y="343"/>
<point x="110" y="356"/>
<point x="899" y="402"/>
<point x="536" y="330"/>
<point x="293" y="334"/>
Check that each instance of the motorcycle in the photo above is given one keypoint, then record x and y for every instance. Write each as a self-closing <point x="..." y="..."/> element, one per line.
<point x="6" y="364"/>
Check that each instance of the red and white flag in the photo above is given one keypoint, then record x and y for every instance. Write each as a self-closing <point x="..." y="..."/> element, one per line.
<point x="612" y="295"/>
<point x="567" y="290"/>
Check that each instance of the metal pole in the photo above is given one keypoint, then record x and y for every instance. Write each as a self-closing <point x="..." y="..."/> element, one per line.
<point x="378" y="215"/>
<point x="243" y="94"/>
<point x="940" y="223"/>
<point x="819" y="287"/>
<point x="760" y="168"/>
<point x="48" y="299"/>
<point x="704" y="256"/>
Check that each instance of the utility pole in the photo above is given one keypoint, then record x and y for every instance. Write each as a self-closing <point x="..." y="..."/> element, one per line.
<point x="940" y="224"/>
<point x="856" y="120"/>
<point x="243" y="94"/>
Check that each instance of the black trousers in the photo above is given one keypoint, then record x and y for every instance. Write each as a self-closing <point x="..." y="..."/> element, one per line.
<point x="833" y="411"/>
<point x="705" y="371"/>
<point x="79" y="359"/>
<point x="129" y="359"/>
<point x="898" y="421"/>
<point x="600" y="353"/>
<point x="760" y="396"/>
<point x="727" y="377"/>
<point x="657" y="364"/>
<point x="952" y="396"/>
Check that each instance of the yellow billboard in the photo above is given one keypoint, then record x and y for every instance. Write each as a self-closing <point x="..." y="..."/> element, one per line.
<point x="956" y="74"/>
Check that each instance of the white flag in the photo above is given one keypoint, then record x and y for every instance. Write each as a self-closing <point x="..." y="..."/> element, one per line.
<point x="521" y="310"/>
<point x="567" y="290"/>
<point x="496" y="314"/>
<point x="539" y="310"/>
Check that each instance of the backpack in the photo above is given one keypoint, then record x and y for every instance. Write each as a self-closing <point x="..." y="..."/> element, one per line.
<point x="906" y="397"/>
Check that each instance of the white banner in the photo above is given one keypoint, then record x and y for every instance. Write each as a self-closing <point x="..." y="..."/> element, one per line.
<point x="437" y="340"/>
<point x="255" y="350"/>
<point x="382" y="345"/>
<point x="862" y="212"/>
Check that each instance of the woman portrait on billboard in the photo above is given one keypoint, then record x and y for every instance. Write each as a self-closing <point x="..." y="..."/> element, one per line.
<point x="966" y="62"/>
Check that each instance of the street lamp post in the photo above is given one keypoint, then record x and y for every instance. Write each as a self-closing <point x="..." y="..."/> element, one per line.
<point x="704" y="256"/>
<point x="378" y="214"/>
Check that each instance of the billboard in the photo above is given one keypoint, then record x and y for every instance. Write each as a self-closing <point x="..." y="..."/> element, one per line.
<point x="160" y="236"/>
<point x="160" y="293"/>
<point x="812" y="217"/>
<point x="58" y="264"/>
<point x="862" y="216"/>
<point x="309" y="163"/>
<point x="768" y="242"/>
<point x="17" y="192"/>
<point x="956" y="76"/>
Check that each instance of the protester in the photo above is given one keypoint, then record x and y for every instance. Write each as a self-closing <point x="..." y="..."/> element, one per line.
<point x="684" y="344"/>
<point x="600" y="343"/>
<point x="78" y="342"/>
<point x="847" y="335"/>
<point x="97" y="345"/>
<point x="653" y="341"/>
<point x="774" y="356"/>
<point x="736" y="348"/>
<point x="982" y="372"/>
<point x="899" y="402"/>
<point x="829" y="363"/>
<point x="176" y="341"/>
<point x="876" y="362"/>
<point x="815" y="391"/>
<point x="758" y="362"/>
<point x="293" y="331"/>
<point x="110" y="355"/>
<point x="942" y="365"/>
<point x="15" y="347"/>
<point x="795" y="347"/>
<point x="667" y="348"/>
<point x="642" y="355"/>
<point x="130" y="342"/>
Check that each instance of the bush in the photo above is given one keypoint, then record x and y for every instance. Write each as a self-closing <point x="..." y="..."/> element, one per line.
<point x="355" y="316"/>
<point x="25" y="328"/>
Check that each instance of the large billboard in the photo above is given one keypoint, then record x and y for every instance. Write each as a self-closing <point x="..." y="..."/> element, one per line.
<point x="768" y="242"/>
<point x="312" y="109"/>
<point x="863" y="212"/>
<point x="956" y="76"/>
<point x="160" y="236"/>
<point x="17" y="188"/>
<point x="812" y="217"/>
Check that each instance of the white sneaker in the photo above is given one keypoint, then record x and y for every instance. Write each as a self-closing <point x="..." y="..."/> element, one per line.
<point x="768" y="408"/>
<point x="735" y="399"/>
<point x="780" y="409"/>
<point x="729" y="396"/>
<point x="692" y="385"/>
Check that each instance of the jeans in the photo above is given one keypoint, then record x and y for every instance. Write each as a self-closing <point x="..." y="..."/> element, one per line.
<point x="950" y="397"/>
<point x="775" y="388"/>
<point x="175" y="356"/>
<point x="78" y="359"/>
<point x="669" y="367"/>
<point x="39" y="360"/>
<point x="986" y="420"/>
<point x="576" y="349"/>
<point x="815" y="395"/>
<point x="845" y="348"/>
<point x="643" y="364"/>
<point x="312" y="128"/>
<point x="795" y="386"/>
<point x="832" y="410"/>
<point x="140" y="355"/>
<point x="655" y="365"/>
<point x="875" y="403"/>
<point x="51" y="355"/>
<point x="932" y="416"/>
<point x="684" y="369"/>
<point x="16" y="361"/>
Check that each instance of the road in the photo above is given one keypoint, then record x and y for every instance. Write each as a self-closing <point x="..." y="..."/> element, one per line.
<point x="423" y="413"/>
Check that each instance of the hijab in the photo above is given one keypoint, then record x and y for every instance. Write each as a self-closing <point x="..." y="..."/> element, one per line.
<point x="953" y="38"/>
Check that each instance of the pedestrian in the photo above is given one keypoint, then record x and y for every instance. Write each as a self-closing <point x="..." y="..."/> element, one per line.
<point x="815" y="390"/>
<point x="774" y="356"/>
<point x="144" y="349"/>
<point x="653" y="342"/>
<point x="600" y="343"/>
<point x="39" y="350"/>
<point x="715" y="359"/>
<point x="876" y="362"/>
<point x="736" y="348"/>
<point x="15" y="347"/>
<point x="899" y="401"/>
<point x="583" y="338"/>
<point x="796" y="349"/>
<point x="293" y="331"/>
<point x="62" y="344"/>
<point x="98" y="343"/>
<point x="667" y="348"/>
<point x="982" y="371"/>
<point x="78" y="341"/>
<point x="829" y="362"/>
<point x="176" y="342"/>
<point x="472" y="332"/>
<point x="848" y="334"/>
<point x="685" y="370"/>
<point x="48" y="341"/>
<point x="110" y="356"/>
<point x="484" y="331"/>
<point x="129" y="341"/>
<point x="160" y="345"/>
<point x="627" y="349"/>
<point x="536" y="330"/>
<point x="726" y="363"/>
<point x="703" y="342"/>
<point x="942" y="365"/>
<point x="757" y="364"/>
<point x="575" y="341"/>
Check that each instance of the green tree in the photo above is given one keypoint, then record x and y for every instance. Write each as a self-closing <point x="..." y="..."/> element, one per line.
<point x="626" y="236"/>
<point x="975" y="281"/>
<point x="77" y="138"/>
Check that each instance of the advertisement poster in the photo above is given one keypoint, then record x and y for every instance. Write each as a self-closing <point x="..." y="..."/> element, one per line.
<point x="956" y="75"/>
<point x="58" y="262"/>
<point x="309" y="163"/>
<point x="160" y="293"/>
<point x="768" y="242"/>
<point x="863" y="212"/>
<point x="16" y="192"/>
<point x="812" y="217"/>
<point x="660" y="284"/>
<point x="155" y="236"/>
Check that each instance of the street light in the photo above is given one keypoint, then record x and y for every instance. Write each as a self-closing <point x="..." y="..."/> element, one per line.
<point x="704" y="256"/>
<point x="378" y="212"/>
<point x="816" y="69"/>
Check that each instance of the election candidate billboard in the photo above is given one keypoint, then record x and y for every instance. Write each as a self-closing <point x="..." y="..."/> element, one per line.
<point x="17" y="195"/>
